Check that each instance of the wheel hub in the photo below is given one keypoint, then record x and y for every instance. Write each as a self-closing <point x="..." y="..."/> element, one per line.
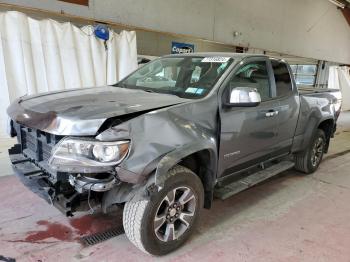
<point x="174" y="214"/>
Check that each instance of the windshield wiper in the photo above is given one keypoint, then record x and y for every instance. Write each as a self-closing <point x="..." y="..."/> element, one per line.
<point x="149" y="91"/>
<point x="121" y="85"/>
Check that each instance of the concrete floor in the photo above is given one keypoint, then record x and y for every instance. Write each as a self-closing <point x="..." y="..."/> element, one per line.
<point x="289" y="218"/>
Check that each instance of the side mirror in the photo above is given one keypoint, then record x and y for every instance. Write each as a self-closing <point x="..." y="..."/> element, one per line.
<point x="244" y="97"/>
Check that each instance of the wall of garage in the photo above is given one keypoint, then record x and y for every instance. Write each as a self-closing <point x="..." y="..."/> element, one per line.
<point x="307" y="28"/>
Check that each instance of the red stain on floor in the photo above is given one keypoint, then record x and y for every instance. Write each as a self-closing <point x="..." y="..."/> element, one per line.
<point x="53" y="230"/>
<point x="93" y="224"/>
<point x="78" y="227"/>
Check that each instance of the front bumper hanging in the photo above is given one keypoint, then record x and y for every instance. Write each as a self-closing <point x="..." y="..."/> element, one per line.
<point x="35" y="179"/>
<point x="29" y="174"/>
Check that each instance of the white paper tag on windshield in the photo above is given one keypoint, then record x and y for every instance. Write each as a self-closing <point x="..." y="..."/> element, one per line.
<point x="215" y="59"/>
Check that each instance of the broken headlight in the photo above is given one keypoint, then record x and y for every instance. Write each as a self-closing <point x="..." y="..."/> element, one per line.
<point x="78" y="155"/>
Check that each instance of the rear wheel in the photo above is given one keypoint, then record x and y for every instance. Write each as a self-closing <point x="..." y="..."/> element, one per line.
<point x="163" y="223"/>
<point x="309" y="160"/>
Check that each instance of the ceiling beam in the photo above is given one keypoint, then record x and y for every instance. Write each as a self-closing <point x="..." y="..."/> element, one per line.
<point x="338" y="3"/>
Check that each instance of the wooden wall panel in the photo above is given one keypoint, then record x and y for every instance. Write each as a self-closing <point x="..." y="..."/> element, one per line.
<point x="346" y="13"/>
<point x="78" y="2"/>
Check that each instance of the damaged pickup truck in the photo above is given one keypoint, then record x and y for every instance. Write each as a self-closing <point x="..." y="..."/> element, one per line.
<point x="167" y="139"/>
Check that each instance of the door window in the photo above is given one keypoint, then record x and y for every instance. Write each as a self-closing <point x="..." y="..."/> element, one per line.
<point x="282" y="78"/>
<point x="255" y="75"/>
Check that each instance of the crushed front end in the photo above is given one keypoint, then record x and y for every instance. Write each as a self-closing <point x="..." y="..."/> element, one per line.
<point x="68" y="189"/>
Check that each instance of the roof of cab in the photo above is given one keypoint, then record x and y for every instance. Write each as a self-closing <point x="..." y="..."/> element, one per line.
<point x="214" y="54"/>
<point x="237" y="56"/>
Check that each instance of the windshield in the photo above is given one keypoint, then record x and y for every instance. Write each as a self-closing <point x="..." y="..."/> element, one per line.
<point x="186" y="77"/>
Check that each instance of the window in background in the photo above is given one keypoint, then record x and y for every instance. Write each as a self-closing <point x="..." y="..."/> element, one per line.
<point x="304" y="74"/>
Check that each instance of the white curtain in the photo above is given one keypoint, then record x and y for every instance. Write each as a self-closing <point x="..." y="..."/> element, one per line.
<point x="333" y="77"/>
<point x="339" y="78"/>
<point x="45" y="55"/>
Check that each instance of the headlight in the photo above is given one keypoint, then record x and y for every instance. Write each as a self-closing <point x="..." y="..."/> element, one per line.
<point x="77" y="155"/>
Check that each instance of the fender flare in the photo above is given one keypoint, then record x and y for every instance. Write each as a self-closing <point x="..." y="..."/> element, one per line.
<point x="175" y="156"/>
<point x="311" y="129"/>
<point x="155" y="182"/>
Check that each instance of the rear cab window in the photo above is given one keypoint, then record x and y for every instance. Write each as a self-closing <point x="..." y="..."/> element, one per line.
<point x="283" y="79"/>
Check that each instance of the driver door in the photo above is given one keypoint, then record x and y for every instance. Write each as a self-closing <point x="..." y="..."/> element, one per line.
<point x="248" y="134"/>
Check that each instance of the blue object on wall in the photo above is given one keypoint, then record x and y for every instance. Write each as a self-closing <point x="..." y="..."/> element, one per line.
<point x="102" y="32"/>
<point x="181" y="48"/>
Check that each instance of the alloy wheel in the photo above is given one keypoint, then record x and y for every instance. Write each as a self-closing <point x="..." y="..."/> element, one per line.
<point x="175" y="214"/>
<point x="317" y="151"/>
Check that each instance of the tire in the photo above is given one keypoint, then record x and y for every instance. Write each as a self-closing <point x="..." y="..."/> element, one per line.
<point x="147" y="222"/>
<point x="305" y="161"/>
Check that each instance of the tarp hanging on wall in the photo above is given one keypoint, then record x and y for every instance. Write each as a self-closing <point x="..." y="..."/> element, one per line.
<point x="339" y="78"/>
<point x="45" y="55"/>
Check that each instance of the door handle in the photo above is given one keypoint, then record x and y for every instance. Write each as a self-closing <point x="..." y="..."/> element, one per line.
<point x="271" y="113"/>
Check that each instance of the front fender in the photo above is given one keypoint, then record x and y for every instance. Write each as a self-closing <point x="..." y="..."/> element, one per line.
<point x="161" y="138"/>
<point x="174" y="157"/>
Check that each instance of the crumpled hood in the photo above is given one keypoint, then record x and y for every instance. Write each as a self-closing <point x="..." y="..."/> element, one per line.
<point x="81" y="112"/>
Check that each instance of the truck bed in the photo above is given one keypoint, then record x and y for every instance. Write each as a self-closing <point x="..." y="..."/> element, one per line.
<point x="312" y="90"/>
<point x="334" y="96"/>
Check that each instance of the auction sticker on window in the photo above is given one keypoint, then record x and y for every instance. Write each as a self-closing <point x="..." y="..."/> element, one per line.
<point x="215" y="59"/>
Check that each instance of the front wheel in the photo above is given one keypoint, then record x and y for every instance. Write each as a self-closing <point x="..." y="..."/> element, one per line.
<point x="163" y="223"/>
<point x="309" y="160"/>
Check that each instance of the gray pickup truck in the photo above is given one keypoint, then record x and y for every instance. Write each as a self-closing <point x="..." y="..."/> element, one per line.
<point x="167" y="139"/>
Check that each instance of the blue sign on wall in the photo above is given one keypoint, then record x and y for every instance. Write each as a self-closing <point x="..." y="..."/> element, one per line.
<point x="181" y="48"/>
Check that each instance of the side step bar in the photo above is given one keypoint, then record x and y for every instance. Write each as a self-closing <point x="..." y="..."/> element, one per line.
<point x="251" y="180"/>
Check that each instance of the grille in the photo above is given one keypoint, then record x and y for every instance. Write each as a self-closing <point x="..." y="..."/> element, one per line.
<point x="36" y="144"/>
